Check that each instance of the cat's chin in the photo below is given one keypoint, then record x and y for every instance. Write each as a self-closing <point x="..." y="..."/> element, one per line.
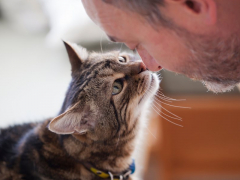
<point x="154" y="84"/>
<point x="151" y="86"/>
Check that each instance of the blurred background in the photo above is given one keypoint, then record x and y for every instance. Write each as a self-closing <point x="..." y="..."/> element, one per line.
<point x="35" y="73"/>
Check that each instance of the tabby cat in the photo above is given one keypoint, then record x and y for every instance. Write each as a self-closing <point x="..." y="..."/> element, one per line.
<point x="95" y="133"/>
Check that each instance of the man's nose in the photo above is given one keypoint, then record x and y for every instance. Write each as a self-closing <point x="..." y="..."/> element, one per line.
<point x="148" y="60"/>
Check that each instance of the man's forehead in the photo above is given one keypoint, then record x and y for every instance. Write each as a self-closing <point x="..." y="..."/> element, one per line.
<point x="100" y="12"/>
<point x="119" y="25"/>
<point x="109" y="18"/>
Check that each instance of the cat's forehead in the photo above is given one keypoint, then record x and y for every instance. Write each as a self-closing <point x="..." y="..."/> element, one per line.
<point x="103" y="56"/>
<point x="113" y="55"/>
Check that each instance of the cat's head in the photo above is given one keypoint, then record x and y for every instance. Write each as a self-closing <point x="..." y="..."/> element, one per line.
<point x="107" y="95"/>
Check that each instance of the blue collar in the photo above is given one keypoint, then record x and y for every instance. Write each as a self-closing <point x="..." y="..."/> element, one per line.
<point x="132" y="166"/>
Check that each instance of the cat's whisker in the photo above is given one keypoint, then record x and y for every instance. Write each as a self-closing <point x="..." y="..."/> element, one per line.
<point x="166" y="118"/>
<point x="160" y="111"/>
<point x="161" y="114"/>
<point x="169" y="111"/>
<point x="161" y="97"/>
<point x="179" y="119"/>
<point x="172" y="105"/>
<point x="159" y="76"/>
<point x="159" y="92"/>
<point x="121" y="47"/>
<point x="164" y="96"/>
<point x="150" y="132"/>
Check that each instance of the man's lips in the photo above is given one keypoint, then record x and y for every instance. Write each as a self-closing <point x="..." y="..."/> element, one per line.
<point x="149" y="61"/>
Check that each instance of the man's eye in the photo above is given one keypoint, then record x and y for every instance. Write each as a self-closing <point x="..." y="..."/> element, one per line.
<point x="122" y="59"/>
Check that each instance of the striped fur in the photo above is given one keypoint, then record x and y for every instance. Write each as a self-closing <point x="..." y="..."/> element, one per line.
<point x="93" y="126"/>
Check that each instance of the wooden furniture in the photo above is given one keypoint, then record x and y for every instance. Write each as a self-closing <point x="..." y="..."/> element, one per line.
<point x="206" y="148"/>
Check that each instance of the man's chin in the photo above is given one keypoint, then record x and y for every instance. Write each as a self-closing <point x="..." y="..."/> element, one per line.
<point x="218" y="87"/>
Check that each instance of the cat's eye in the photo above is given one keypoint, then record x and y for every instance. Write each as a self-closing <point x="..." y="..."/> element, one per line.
<point x="117" y="86"/>
<point x="122" y="59"/>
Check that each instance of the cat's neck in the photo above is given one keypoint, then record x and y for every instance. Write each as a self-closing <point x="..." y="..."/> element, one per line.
<point x="114" y="155"/>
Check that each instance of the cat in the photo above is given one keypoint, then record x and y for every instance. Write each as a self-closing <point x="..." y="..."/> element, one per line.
<point x="95" y="133"/>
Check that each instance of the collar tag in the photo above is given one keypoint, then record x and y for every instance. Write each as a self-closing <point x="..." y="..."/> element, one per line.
<point x="105" y="175"/>
<point x="132" y="166"/>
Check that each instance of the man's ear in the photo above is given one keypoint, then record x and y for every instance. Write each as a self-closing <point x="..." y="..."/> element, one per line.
<point x="76" y="55"/>
<point x="204" y="11"/>
<point x="73" y="121"/>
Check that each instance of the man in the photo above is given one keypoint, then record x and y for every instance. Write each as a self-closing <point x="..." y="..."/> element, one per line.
<point x="198" y="38"/>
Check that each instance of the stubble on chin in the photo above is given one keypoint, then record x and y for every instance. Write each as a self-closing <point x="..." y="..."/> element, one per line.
<point x="218" y="87"/>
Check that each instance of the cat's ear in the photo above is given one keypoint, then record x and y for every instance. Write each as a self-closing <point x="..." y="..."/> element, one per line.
<point x="76" y="55"/>
<point x="73" y="121"/>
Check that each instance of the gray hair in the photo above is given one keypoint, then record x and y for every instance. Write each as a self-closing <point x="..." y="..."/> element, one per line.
<point x="149" y="9"/>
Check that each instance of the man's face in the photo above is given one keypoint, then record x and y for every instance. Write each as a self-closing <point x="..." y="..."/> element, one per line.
<point x="157" y="48"/>
<point x="206" y="57"/>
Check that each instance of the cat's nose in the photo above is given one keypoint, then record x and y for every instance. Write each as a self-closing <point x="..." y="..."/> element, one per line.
<point x="137" y="67"/>
<point x="142" y="67"/>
